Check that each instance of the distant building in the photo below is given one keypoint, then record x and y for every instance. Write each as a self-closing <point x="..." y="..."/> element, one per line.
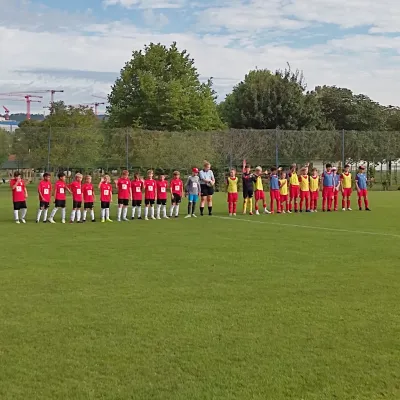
<point x="9" y="126"/>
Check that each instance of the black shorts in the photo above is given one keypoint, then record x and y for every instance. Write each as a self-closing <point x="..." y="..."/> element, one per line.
<point x="176" y="199"/>
<point x="136" y="203"/>
<point x="124" y="202"/>
<point x="206" y="190"/>
<point x="44" y="204"/>
<point x="76" y="204"/>
<point x="105" y="204"/>
<point x="88" y="206"/>
<point x="163" y="202"/>
<point x="149" y="202"/>
<point x="248" y="194"/>
<point x="19" y="205"/>
<point x="60" y="203"/>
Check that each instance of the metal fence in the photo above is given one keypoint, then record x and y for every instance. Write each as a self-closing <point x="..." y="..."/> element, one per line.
<point x="97" y="149"/>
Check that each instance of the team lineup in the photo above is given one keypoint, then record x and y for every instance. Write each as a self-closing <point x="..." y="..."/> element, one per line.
<point x="292" y="191"/>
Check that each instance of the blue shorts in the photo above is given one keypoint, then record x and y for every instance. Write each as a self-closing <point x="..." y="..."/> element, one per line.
<point x="193" y="198"/>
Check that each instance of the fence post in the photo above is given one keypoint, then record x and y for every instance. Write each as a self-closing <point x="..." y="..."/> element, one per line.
<point x="48" y="150"/>
<point x="343" y="155"/>
<point x="277" y="147"/>
<point x="127" y="151"/>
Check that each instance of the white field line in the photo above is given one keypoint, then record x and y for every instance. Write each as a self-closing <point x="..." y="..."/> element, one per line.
<point x="320" y="228"/>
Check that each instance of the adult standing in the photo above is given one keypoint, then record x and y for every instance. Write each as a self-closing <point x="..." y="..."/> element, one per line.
<point x="207" y="182"/>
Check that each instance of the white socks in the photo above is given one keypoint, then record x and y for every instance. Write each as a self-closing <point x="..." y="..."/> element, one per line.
<point x="158" y="210"/>
<point x="16" y="215"/>
<point x="84" y="215"/>
<point x="39" y="214"/>
<point x="73" y="214"/>
<point x="146" y="212"/>
<point x="107" y="213"/>
<point x="63" y="212"/>
<point x="164" y="211"/>
<point x="53" y="213"/>
<point x="171" y="210"/>
<point x="119" y="213"/>
<point x="125" y="212"/>
<point x="176" y="210"/>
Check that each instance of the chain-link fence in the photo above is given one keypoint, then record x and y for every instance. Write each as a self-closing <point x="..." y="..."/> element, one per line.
<point x="95" y="150"/>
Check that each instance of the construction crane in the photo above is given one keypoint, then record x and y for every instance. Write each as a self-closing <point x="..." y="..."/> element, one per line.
<point x="51" y="91"/>
<point x="27" y="98"/>
<point x="96" y="105"/>
<point x="7" y="113"/>
<point x="100" y="97"/>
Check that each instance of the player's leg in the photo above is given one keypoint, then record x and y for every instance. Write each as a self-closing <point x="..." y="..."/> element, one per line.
<point x="330" y="198"/>
<point x="244" y="202"/>
<point x="366" y="201"/>
<point x="210" y="201"/>
<point x="119" y="212"/>
<point x="158" y="209"/>
<point x="45" y="212"/>
<point x="16" y="208"/>
<point x="73" y="212"/>
<point x="92" y="216"/>
<point x="307" y="201"/>
<point x="172" y="208"/>
<point x="349" y="200"/>
<point x="53" y="214"/>
<point x="250" y="203"/>
<point x="103" y="213"/>
<point x="39" y="212"/>
<point x="146" y="209"/>
<point x="125" y="210"/>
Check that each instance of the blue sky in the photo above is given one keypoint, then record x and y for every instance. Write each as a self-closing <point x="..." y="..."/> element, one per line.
<point x="80" y="46"/>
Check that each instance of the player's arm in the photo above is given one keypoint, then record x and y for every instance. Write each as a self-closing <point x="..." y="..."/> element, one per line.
<point x="357" y="187"/>
<point x="26" y="191"/>
<point x="212" y="178"/>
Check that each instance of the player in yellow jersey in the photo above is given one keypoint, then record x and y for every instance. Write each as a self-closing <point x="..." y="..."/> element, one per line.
<point x="294" y="188"/>
<point x="345" y="179"/>
<point x="232" y="188"/>
<point x="259" y="191"/>
<point x="283" y="192"/>
<point x="304" y="182"/>
<point x="314" y="190"/>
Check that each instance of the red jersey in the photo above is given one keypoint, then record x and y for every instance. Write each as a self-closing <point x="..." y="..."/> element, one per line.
<point x="60" y="190"/>
<point x="76" y="189"/>
<point x="88" y="193"/>
<point x="150" y="186"/>
<point x="18" y="193"/>
<point x="105" y="192"/>
<point x="124" y="186"/>
<point x="177" y="186"/>
<point x="162" y="187"/>
<point x="137" y="187"/>
<point x="44" y="189"/>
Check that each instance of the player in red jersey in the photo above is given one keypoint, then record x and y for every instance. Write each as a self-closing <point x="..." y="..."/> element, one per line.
<point x="123" y="185"/>
<point x="88" y="198"/>
<point x="137" y="195"/>
<point x="44" y="190"/>
<point x="59" y="191"/>
<point x="105" y="198"/>
<point x="77" y="198"/>
<point x="162" y="194"/>
<point x="150" y="195"/>
<point x="19" y="196"/>
<point x="176" y="188"/>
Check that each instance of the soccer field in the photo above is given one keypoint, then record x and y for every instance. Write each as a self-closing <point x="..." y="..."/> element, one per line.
<point x="301" y="306"/>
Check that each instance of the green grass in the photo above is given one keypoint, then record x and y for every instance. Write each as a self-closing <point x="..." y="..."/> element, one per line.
<point x="202" y="309"/>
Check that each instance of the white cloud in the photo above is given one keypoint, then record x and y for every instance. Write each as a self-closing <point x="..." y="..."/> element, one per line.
<point x="154" y="19"/>
<point x="144" y="3"/>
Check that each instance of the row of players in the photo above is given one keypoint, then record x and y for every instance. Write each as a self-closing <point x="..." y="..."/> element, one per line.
<point x="298" y="190"/>
<point x="290" y="192"/>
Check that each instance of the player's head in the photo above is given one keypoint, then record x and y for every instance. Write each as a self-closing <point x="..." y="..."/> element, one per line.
<point x="62" y="176"/>
<point x="304" y="170"/>
<point x="136" y="176"/>
<point x="125" y="173"/>
<point x="107" y="178"/>
<point x="361" y="169"/>
<point x="88" y="179"/>
<point x="46" y="176"/>
<point x="206" y="165"/>
<point x="232" y="172"/>
<point x="78" y="177"/>
<point x="273" y="170"/>
<point x="328" y="167"/>
<point x="334" y="170"/>
<point x="17" y="174"/>
<point x="247" y="168"/>
<point x="177" y="174"/>
<point x="315" y="171"/>
<point x="195" y="171"/>
<point x="162" y="176"/>
<point x="258" y="170"/>
<point x="293" y="167"/>
<point x="283" y="175"/>
<point x="347" y="168"/>
<point x="150" y="174"/>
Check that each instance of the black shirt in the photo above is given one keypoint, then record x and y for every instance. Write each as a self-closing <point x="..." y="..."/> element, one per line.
<point x="248" y="182"/>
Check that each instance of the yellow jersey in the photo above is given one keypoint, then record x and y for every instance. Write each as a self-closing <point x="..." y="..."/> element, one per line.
<point x="304" y="183"/>
<point x="259" y="183"/>
<point x="232" y="185"/>
<point x="283" y="187"/>
<point x="314" y="183"/>
<point x="346" y="180"/>
<point x="294" y="179"/>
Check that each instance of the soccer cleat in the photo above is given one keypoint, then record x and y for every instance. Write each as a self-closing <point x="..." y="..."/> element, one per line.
<point x="307" y="211"/>
<point x="63" y="221"/>
<point x="93" y="220"/>
<point x="23" y="221"/>
<point x="125" y="219"/>
<point x="343" y="209"/>
<point x="367" y="209"/>
<point x="17" y="221"/>
<point x="176" y="216"/>
<point x="283" y="212"/>
<point x="139" y="217"/>
<point x="45" y="221"/>
<point x="119" y="220"/>
<point x="132" y="218"/>
<point x="360" y="208"/>
<point x="158" y="217"/>
<point x="349" y="209"/>
<point x="109" y="220"/>
<point x="188" y="216"/>
<point x="315" y="211"/>
<point x="146" y="218"/>
<point x="312" y="211"/>
<point x="194" y="215"/>
<point x="37" y="221"/>
<point x="83" y="221"/>
<point x="153" y="218"/>
<point x="71" y="222"/>
<point x="51" y="220"/>
<point x="289" y="212"/>
<point x="251" y="213"/>
<point x="166" y="217"/>
<point x="103" y="220"/>
<point x="257" y="212"/>
<point x="266" y="211"/>
<point x="234" y="214"/>
<point x="230" y="214"/>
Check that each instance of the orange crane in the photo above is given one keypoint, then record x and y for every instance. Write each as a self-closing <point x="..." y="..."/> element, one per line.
<point x="7" y="113"/>
<point x="28" y="100"/>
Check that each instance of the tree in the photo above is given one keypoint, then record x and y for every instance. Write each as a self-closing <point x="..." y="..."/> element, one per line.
<point x="266" y="100"/>
<point x="159" y="89"/>
<point x="5" y="142"/>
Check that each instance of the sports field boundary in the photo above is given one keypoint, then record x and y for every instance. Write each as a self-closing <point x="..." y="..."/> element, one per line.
<point x="321" y="228"/>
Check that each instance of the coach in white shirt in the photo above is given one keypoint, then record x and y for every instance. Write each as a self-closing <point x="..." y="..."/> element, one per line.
<point x="207" y="182"/>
